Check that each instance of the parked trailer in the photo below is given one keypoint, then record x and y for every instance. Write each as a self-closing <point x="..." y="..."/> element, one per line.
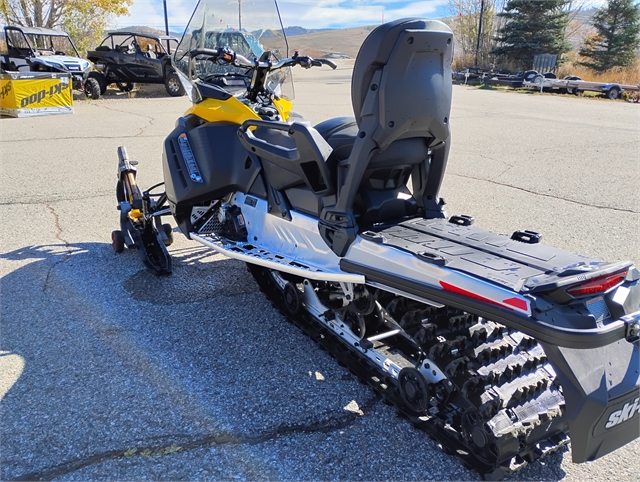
<point x="504" y="78"/>
<point x="575" y="85"/>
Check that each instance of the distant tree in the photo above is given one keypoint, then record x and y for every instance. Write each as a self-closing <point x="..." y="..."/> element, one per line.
<point x="465" y="21"/>
<point x="577" y="10"/>
<point x="531" y="28"/>
<point x="83" y="20"/>
<point x="617" y="36"/>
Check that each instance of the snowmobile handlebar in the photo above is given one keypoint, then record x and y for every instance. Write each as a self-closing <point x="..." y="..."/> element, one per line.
<point x="305" y="62"/>
<point x="222" y="55"/>
<point x="226" y="55"/>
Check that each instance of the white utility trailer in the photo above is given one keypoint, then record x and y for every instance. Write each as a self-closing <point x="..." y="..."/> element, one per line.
<point x="575" y="85"/>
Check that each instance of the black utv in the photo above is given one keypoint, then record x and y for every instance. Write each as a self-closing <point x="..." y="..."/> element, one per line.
<point x="125" y="58"/>
<point x="37" y="49"/>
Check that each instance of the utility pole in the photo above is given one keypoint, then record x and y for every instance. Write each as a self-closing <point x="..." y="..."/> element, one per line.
<point x="240" y="15"/>
<point x="166" y="25"/>
<point x="479" y="32"/>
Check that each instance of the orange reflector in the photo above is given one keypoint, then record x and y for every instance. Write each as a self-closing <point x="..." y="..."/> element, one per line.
<point x="598" y="285"/>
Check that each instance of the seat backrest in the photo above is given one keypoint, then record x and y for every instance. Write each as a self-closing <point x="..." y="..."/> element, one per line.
<point x="400" y="90"/>
<point x="411" y="61"/>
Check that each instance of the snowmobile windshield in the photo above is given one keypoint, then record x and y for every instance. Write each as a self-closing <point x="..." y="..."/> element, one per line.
<point x="246" y="27"/>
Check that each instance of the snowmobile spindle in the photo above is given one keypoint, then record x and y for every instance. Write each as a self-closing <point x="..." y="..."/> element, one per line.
<point x="138" y="211"/>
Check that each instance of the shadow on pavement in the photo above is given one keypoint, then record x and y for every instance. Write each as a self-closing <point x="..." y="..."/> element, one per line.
<point x="119" y="363"/>
<point x="116" y="358"/>
<point x="140" y="91"/>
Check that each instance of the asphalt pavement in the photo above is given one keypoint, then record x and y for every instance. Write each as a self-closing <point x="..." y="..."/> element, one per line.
<point x="110" y="373"/>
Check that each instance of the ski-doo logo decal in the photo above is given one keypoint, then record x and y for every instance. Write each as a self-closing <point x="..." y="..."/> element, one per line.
<point x="189" y="158"/>
<point x="510" y="303"/>
<point x="38" y="97"/>
<point x="5" y="90"/>
<point x="627" y="412"/>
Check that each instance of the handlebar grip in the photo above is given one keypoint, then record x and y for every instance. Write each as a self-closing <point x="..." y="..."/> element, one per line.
<point x="211" y="52"/>
<point x="262" y="147"/>
<point x="329" y="63"/>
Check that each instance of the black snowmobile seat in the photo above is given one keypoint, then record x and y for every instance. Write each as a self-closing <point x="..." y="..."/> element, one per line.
<point x="340" y="133"/>
<point x="401" y="98"/>
<point x="411" y="114"/>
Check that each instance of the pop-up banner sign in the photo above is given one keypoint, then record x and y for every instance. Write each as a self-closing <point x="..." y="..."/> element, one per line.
<point x="27" y="94"/>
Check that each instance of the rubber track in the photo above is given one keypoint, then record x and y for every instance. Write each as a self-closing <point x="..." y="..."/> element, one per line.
<point x="499" y="374"/>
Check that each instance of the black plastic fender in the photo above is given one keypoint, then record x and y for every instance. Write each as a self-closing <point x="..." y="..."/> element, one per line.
<point x="601" y="387"/>
<point x="203" y="163"/>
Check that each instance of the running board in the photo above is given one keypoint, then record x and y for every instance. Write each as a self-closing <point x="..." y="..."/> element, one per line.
<point x="249" y="253"/>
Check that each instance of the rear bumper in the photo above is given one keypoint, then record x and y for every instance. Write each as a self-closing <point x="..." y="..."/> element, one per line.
<point x="601" y="387"/>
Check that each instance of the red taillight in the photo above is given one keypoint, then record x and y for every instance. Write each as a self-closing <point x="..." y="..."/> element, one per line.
<point x="598" y="285"/>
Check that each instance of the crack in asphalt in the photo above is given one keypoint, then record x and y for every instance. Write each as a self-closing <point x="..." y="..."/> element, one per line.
<point x="183" y="443"/>
<point x="505" y="171"/>
<point x="37" y="202"/>
<point x="59" y="238"/>
<point x="551" y="196"/>
<point x="73" y="138"/>
<point x="509" y="165"/>
<point x="151" y="120"/>
<point x="142" y="129"/>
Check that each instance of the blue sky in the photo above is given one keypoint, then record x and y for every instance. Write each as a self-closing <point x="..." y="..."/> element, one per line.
<point x="304" y="13"/>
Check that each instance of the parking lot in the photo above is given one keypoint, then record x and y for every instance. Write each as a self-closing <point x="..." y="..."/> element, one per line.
<point x="110" y="373"/>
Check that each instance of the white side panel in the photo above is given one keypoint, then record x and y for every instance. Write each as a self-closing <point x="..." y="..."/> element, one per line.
<point x="401" y="263"/>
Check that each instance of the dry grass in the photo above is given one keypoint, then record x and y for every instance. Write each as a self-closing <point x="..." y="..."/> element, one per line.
<point x="318" y="44"/>
<point x="461" y="62"/>
<point x="629" y="76"/>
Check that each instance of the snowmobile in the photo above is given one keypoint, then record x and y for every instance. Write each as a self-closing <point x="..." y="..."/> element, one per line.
<point x="502" y="348"/>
